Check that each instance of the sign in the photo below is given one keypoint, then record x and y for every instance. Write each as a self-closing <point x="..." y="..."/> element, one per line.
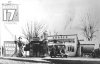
<point x="10" y="12"/>
<point x="35" y="39"/>
<point x="9" y="48"/>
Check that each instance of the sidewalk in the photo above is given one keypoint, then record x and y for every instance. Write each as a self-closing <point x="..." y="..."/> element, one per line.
<point x="75" y="58"/>
<point x="48" y="59"/>
<point x="27" y="59"/>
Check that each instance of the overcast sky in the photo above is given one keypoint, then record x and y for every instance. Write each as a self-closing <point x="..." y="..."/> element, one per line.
<point x="62" y="16"/>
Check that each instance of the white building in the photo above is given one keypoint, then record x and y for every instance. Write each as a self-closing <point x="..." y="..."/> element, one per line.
<point x="70" y="42"/>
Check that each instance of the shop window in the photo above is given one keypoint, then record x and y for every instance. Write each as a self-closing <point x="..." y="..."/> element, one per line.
<point x="61" y="37"/>
<point x="53" y="37"/>
<point x="58" y="37"/>
<point x="66" y="36"/>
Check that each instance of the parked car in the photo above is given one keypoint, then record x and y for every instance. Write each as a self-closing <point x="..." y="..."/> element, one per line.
<point x="96" y="53"/>
<point x="55" y="52"/>
<point x="58" y="55"/>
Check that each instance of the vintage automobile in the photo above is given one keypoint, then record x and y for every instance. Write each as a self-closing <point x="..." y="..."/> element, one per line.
<point x="59" y="55"/>
<point x="58" y="50"/>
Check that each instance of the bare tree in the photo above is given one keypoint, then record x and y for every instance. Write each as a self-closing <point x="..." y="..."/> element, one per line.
<point x="33" y="30"/>
<point x="55" y="32"/>
<point x="89" y="26"/>
<point x="70" y="19"/>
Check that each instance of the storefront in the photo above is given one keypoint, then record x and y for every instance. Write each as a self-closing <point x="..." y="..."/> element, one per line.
<point x="37" y="48"/>
<point x="70" y="43"/>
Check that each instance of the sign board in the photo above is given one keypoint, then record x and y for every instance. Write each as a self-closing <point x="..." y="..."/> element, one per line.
<point x="10" y="12"/>
<point x="9" y="48"/>
<point x="35" y="39"/>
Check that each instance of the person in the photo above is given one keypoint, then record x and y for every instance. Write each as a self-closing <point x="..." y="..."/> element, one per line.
<point x="57" y="50"/>
<point x="21" y="49"/>
<point x="52" y="52"/>
<point x="62" y="52"/>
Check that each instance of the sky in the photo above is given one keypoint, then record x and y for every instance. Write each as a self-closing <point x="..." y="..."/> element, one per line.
<point x="62" y="16"/>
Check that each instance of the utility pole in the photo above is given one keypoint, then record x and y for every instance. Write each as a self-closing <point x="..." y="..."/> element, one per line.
<point x="15" y="41"/>
<point x="1" y="51"/>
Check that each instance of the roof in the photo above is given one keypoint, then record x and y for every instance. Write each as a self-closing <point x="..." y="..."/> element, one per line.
<point x="63" y="35"/>
<point x="36" y="42"/>
<point x="9" y="41"/>
<point x="87" y="42"/>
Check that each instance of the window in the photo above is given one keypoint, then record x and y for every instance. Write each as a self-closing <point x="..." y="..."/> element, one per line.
<point x="71" y="48"/>
<point x="99" y="45"/>
<point x="53" y="37"/>
<point x="58" y="37"/>
<point x="61" y="37"/>
<point x="66" y="36"/>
